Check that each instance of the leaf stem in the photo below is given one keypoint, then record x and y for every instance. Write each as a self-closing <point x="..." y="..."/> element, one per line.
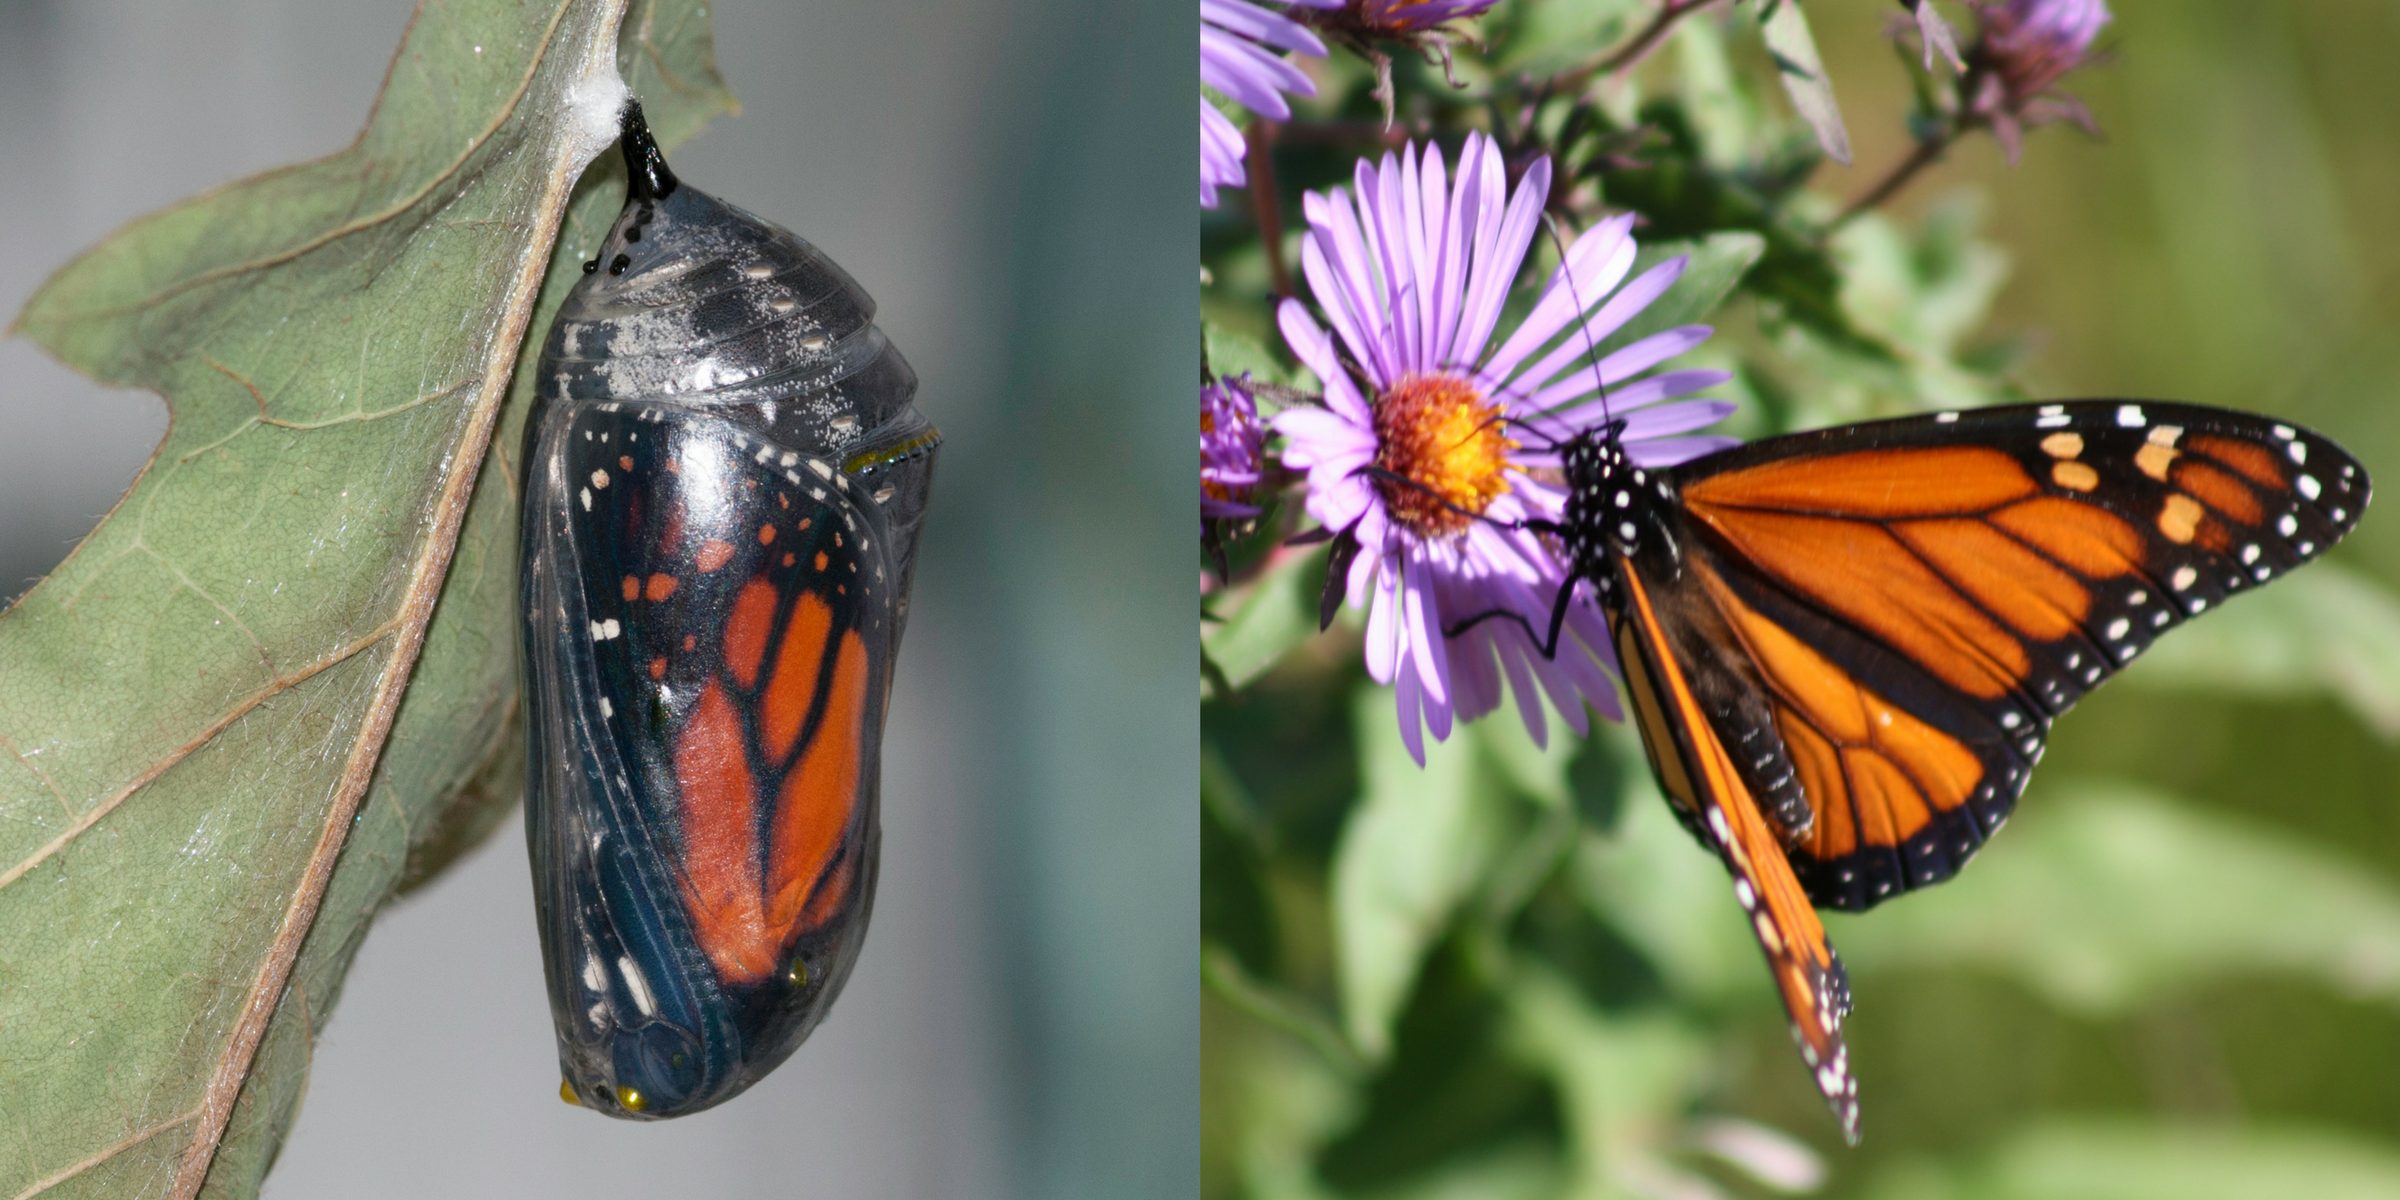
<point x="1266" y="204"/>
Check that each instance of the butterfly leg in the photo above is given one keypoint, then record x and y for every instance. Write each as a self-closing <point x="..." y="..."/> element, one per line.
<point x="1547" y="646"/>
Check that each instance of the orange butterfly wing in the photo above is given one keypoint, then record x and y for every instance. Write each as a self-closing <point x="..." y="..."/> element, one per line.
<point x="1702" y="779"/>
<point x="1921" y="597"/>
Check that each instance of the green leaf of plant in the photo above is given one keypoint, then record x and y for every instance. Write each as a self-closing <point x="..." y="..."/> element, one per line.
<point x="1803" y="75"/>
<point x="2326" y="630"/>
<point x="1413" y="848"/>
<point x="1273" y="614"/>
<point x="1717" y="263"/>
<point x="2102" y="896"/>
<point x="218" y="763"/>
<point x="2120" y="1160"/>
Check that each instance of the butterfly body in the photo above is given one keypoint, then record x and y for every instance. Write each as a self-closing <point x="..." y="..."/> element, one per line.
<point x="1844" y="648"/>
<point x="725" y="477"/>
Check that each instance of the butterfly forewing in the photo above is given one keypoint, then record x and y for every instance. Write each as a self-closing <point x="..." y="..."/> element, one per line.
<point x="1923" y="596"/>
<point x="725" y="618"/>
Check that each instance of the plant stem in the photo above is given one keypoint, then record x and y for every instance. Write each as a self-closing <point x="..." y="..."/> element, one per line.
<point x="1647" y="40"/>
<point x="1266" y="204"/>
<point x="1927" y="153"/>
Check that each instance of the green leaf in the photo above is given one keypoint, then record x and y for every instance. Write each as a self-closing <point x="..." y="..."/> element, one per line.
<point x="1231" y="352"/>
<point x="1669" y="897"/>
<point x="1625" y="1083"/>
<point x="279" y="678"/>
<point x="1717" y="263"/>
<point x="2327" y="630"/>
<point x="1447" y="1093"/>
<point x="2102" y="896"/>
<point x="1803" y="75"/>
<point x="2120" y="1160"/>
<point x="1276" y="612"/>
<point x="1413" y="849"/>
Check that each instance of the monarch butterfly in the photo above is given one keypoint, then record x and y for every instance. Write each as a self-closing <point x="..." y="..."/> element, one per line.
<point x="1844" y="648"/>
<point x="726" y="478"/>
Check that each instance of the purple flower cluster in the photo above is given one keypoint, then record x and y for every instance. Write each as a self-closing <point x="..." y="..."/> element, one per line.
<point x="1232" y="443"/>
<point x="1238" y="59"/>
<point x="2025" y="47"/>
<point x="1423" y="466"/>
<point x="2033" y="42"/>
<point x="1401" y="19"/>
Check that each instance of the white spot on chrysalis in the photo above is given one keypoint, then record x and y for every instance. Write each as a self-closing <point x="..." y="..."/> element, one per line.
<point x="637" y="985"/>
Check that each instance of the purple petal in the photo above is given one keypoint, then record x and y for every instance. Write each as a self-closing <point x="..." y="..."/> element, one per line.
<point x="1594" y="263"/>
<point x="1259" y="25"/>
<point x="1249" y="75"/>
<point x="1423" y="632"/>
<point x="1620" y="401"/>
<point x="1404" y="699"/>
<point x="1605" y="320"/>
<point x="1487" y="290"/>
<point x="1221" y="152"/>
<point x="1668" y="452"/>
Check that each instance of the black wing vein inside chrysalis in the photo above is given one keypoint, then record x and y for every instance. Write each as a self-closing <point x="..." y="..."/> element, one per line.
<point x="725" y="481"/>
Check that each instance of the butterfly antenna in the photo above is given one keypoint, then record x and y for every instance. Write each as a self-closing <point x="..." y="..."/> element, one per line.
<point x="1583" y="329"/>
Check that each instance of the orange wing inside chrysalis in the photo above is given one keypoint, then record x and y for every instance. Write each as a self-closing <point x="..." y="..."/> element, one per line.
<point x="719" y="812"/>
<point x="820" y="793"/>
<point x="1699" y="774"/>
<point x="746" y="901"/>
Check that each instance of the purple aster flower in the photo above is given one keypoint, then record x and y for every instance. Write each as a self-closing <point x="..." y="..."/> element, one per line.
<point x="2033" y="42"/>
<point x="1423" y="465"/>
<point x="1238" y="40"/>
<point x="2026" y="45"/>
<point x="1231" y="444"/>
<point x="1399" y="20"/>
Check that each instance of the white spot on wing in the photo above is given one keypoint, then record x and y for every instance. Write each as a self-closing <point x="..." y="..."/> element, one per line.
<point x="2129" y="416"/>
<point x="2308" y="486"/>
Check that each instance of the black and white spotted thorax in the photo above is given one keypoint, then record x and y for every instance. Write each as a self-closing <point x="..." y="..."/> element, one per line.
<point x="1614" y="509"/>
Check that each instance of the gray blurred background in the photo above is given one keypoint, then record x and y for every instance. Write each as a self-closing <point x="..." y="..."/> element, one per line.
<point x="1013" y="183"/>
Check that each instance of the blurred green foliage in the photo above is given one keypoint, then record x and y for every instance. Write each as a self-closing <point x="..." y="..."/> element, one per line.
<point x="1510" y="974"/>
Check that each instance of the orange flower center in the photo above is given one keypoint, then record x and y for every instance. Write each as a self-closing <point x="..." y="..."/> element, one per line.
<point x="1442" y="452"/>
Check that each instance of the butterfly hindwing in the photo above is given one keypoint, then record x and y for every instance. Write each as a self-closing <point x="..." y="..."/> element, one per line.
<point x="1922" y="596"/>
<point x="1679" y="698"/>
